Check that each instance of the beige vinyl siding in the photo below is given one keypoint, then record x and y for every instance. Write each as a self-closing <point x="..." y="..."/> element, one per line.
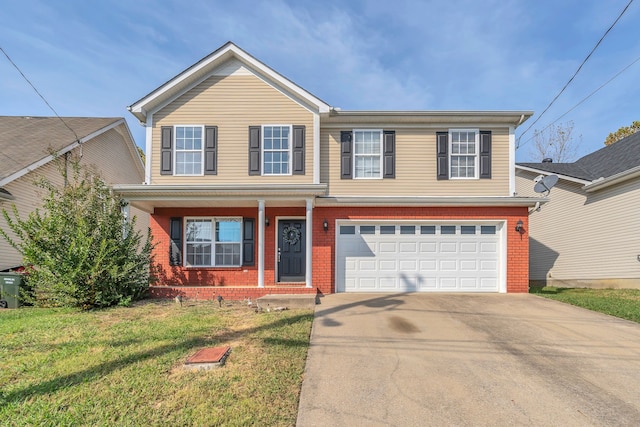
<point x="415" y="167"/>
<point x="581" y="238"/>
<point x="233" y="103"/>
<point x="107" y="152"/>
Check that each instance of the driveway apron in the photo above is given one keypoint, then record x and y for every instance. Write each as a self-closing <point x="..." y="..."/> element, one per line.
<point x="468" y="359"/>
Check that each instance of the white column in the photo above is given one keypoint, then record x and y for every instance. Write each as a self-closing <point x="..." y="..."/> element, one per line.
<point x="261" y="243"/>
<point x="309" y="245"/>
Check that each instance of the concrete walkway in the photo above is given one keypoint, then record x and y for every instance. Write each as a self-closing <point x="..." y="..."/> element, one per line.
<point x="452" y="359"/>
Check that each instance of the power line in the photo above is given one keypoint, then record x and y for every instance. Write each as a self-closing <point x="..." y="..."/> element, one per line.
<point x="576" y="73"/>
<point x="583" y="100"/>
<point x="39" y="94"/>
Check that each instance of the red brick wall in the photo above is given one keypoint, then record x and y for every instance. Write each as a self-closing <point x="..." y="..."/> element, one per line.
<point x="517" y="244"/>
<point x="238" y="283"/>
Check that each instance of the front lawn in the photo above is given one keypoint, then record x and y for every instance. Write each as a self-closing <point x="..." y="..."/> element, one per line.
<point x="624" y="303"/>
<point x="122" y="366"/>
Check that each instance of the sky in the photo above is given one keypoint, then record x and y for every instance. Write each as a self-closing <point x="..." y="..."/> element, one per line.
<point x="95" y="58"/>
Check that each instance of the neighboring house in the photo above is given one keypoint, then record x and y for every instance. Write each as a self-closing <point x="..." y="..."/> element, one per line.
<point x="587" y="234"/>
<point x="26" y="147"/>
<point x="256" y="186"/>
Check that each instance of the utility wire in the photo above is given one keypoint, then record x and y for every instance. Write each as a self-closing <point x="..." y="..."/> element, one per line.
<point x="583" y="100"/>
<point x="576" y="73"/>
<point x="39" y="94"/>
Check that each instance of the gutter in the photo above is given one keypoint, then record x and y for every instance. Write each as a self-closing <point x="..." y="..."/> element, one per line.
<point x="430" y="201"/>
<point x="601" y="183"/>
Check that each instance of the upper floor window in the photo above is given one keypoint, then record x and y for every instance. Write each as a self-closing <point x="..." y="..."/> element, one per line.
<point x="276" y="150"/>
<point x="188" y="150"/>
<point x="464" y="153"/>
<point x="367" y="153"/>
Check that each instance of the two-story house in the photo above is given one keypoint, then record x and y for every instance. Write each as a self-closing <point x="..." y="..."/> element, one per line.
<point x="255" y="186"/>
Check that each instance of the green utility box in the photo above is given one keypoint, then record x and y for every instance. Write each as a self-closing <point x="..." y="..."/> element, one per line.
<point x="10" y="284"/>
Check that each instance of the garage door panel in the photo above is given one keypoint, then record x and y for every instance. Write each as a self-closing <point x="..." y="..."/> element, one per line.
<point x="428" y="247"/>
<point x="427" y="260"/>
<point x="469" y="247"/>
<point x="449" y="247"/>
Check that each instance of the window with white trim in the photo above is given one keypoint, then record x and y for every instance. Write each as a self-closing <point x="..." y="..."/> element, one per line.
<point x="276" y="149"/>
<point x="213" y="242"/>
<point x="188" y="150"/>
<point x="463" y="153"/>
<point x="367" y="152"/>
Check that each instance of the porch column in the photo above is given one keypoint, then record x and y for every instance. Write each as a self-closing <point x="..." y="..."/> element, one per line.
<point x="261" y="243"/>
<point x="309" y="246"/>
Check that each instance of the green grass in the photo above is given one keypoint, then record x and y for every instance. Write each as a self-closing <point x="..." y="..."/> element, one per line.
<point x="623" y="303"/>
<point x="122" y="366"/>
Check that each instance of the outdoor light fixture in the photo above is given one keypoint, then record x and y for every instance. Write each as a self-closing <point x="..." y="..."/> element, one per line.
<point x="519" y="226"/>
<point x="325" y="225"/>
<point x="266" y="222"/>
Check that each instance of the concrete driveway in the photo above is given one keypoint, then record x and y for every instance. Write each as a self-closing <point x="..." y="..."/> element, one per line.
<point x="452" y="359"/>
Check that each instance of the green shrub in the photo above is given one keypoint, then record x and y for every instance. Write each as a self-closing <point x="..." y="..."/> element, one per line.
<point x="78" y="249"/>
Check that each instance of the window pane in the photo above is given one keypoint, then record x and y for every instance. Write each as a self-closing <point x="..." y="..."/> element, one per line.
<point x="428" y="229"/>
<point x="487" y="229"/>
<point x="228" y="231"/>
<point x="276" y="150"/>
<point x="448" y="229"/>
<point x="367" y="229"/>
<point x="198" y="230"/>
<point x="347" y="229"/>
<point x="468" y="229"/>
<point x="387" y="229"/>
<point x="227" y="254"/>
<point x="407" y="229"/>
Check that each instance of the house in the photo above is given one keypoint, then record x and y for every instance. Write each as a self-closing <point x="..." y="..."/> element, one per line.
<point x="587" y="234"/>
<point x="27" y="145"/>
<point x="256" y="186"/>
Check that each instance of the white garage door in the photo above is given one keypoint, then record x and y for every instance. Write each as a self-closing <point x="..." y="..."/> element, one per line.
<point x="420" y="257"/>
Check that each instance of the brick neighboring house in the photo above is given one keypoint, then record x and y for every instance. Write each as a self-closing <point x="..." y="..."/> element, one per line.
<point x="26" y="147"/>
<point x="255" y="186"/>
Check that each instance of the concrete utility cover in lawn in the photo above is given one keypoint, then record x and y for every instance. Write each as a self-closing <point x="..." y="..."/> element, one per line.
<point x="468" y="359"/>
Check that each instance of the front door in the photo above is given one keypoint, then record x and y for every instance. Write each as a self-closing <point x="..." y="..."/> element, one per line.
<point x="291" y="250"/>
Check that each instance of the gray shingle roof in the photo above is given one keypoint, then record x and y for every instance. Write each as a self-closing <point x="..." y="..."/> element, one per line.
<point x="26" y="140"/>
<point x="608" y="161"/>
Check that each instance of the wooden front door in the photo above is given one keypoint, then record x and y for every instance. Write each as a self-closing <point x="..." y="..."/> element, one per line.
<point x="291" y="250"/>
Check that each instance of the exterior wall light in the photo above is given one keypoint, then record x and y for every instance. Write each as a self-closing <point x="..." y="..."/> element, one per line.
<point x="520" y="226"/>
<point x="325" y="225"/>
<point x="266" y="222"/>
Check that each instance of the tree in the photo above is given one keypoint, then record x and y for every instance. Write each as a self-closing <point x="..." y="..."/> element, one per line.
<point x="77" y="248"/>
<point x="556" y="142"/>
<point x="141" y="153"/>
<point x="623" y="132"/>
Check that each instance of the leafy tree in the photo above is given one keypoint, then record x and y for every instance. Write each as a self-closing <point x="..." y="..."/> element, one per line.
<point x="78" y="249"/>
<point x="623" y="132"/>
<point x="556" y="142"/>
<point x="141" y="153"/>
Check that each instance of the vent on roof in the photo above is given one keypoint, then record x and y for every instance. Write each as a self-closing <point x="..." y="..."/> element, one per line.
<point x="547" y="160"/>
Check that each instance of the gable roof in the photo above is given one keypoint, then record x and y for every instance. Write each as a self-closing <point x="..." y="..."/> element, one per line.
<point x="610" y="161"/>
<point x="204" y="68"/>
<point x="28" y="142"/>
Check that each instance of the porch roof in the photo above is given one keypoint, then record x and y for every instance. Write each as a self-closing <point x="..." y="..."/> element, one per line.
<point x="149" y="197"/>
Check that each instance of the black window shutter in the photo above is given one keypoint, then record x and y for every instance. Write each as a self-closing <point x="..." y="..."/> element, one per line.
<point x="166" y="153"/>
<point x="485" y="154"/>
<point x="175" y="234"/>
<point x="298" y="150"/>
<point x="248" y="241"/>
<point x="254" y="150"/>
<point x="389" y="154"/>
<point x="211" y="150"/>
<point x="442" y="147"/>
<point x="346" y="153"/>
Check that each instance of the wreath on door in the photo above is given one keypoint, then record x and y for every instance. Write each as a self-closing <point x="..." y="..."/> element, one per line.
<point x="291" y="235"/>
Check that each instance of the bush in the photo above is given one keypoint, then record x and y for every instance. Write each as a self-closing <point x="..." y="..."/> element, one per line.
<point x="78" y="249"/>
